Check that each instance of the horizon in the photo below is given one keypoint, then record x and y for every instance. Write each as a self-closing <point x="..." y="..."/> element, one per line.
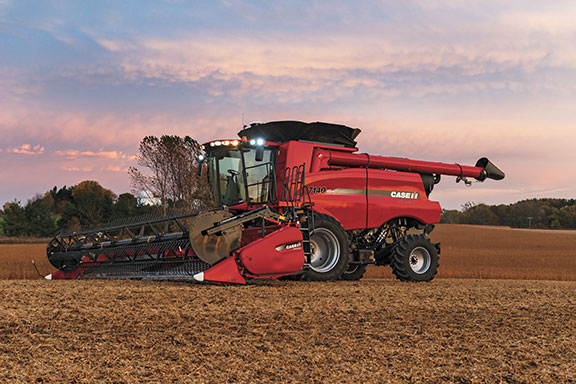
<point x="82" y="84"/>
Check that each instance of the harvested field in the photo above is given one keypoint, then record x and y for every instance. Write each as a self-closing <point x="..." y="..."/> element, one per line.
<point x="470" y="251"/>
<point x="15" y="261"/>
<point x="467" y="251"/>
<point x="376" y="331"/>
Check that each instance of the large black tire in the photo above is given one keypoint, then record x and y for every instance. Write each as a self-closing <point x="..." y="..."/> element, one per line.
<point x="354" y="272"/>
<point x="414" y="259"/>
<point x="384" y="256"/>
<point x="329" y="244"/>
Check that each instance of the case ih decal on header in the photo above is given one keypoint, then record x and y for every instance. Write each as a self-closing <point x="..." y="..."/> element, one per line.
<point x="296" y="199"/>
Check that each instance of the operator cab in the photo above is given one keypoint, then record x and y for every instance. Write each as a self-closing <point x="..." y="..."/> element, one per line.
<point x="241" y="171"/>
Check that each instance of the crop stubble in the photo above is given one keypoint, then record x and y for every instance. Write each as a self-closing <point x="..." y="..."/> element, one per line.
<point x="471" y="251"/>
<point x="450" y="330"/>
<point x="467" y="251"/>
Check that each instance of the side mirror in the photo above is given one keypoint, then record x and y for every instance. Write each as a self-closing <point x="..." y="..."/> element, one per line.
<point x="259" y="153"/>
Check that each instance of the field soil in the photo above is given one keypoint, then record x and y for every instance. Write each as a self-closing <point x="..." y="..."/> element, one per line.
<point x="471" y="251"/>
<point x="374" y="331"/>
<point x="480" y="329"/>
<point x="468" y="251"/>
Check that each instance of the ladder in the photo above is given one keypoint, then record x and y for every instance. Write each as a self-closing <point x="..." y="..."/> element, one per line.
<point x="297" y="196"/>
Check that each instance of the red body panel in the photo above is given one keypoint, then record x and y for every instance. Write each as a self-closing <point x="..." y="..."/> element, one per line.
<point x="295" y="153"/>
<point x="279" y="253"/>
<point x="66" y="275"/>
<point x="252" y="234"/>
<point x="357" y="189"/>
<point x="342" y="194"/>
<point x="225" y="271"/>
<point x="365" y="191"/>
<point x="398" y="194"/>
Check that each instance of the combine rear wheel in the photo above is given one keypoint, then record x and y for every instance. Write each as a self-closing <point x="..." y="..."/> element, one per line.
<point x="414" y="259"/>
<point x="329" y="247"/>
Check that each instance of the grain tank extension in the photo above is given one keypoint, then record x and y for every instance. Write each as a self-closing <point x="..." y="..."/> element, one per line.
<point x="294" y="199"/>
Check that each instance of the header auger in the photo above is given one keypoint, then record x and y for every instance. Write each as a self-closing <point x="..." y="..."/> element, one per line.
<point x="295" y="199"/>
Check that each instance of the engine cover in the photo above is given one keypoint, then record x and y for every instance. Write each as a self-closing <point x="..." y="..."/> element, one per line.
<point x="279" y="253"/>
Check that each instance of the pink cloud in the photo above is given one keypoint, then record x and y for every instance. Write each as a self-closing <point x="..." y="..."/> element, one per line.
<point x="113" y="168"/>
<point x="119" y="134"/>
<point x="77" y="169"/>
<point x="27" y="149"/>
<point x="294" y="67"/>
<point x="73" y="154"/>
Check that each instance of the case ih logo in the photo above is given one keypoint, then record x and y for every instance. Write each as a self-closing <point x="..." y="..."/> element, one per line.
<point x="293" y="245"/>
<point x="287" y="247"/>
<point x="404" y="195"/>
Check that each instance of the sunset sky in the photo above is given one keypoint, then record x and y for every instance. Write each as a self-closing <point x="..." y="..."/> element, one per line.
<point x="81" y="82"/>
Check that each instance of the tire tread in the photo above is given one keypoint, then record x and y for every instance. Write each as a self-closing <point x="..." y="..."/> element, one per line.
<point x="399" y="262"/>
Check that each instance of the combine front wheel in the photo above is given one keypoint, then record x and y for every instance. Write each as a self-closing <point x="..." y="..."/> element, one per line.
<point x="329" y="247"/>
<point x="414" y="259"/>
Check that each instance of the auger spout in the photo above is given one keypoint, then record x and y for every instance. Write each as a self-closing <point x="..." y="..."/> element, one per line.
<point x="324" y="159"/>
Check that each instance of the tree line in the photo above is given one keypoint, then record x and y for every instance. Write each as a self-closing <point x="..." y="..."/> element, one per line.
<point x="84" y="205"/>
<point x="532" y="213"/>
<point x="167" y="173"/>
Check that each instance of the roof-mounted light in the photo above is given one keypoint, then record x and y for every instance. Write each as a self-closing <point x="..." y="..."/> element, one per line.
<point x="217" y="143"/>
<point x="252" y="142"/>
<point x="260" y="141"/>
<point x="234" y="142"/>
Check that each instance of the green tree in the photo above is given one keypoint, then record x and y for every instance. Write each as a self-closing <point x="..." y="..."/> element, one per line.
<point x="125" y="206"/>
<point x="61" y="197"/>
<point x="451" y="216"/>
<point x="480" y="214"/>
<point x="39" y="218"/>
<point x="94" y="203"/>
<point x="568" y="217"/>
<point x="69" y="218"/>
<point x="90" y="205"/>
<point x="14" y="219"/>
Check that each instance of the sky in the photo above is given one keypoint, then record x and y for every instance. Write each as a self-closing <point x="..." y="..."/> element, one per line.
<point x="82" y="82"/>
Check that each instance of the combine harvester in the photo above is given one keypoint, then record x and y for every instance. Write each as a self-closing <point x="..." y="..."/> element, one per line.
<point x="295" y="199"/>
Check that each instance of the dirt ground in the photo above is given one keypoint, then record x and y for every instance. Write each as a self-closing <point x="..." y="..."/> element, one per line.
<point x="481" y="252"/>
<point x="468" y="251"/>
<point x="374" y="330"/>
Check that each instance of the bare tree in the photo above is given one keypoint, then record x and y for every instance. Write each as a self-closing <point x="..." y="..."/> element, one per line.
<point x="172" y="172"/>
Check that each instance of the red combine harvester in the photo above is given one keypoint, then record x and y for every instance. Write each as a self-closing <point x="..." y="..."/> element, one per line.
<point x="295" y="199"/>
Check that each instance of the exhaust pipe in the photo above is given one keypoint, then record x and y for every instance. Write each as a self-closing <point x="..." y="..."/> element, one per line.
<point x="490" y="171"/>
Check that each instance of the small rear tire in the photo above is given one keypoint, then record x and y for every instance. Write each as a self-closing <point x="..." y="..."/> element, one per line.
<point x="414" y="259"/>
<point x="354" y="272"/>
